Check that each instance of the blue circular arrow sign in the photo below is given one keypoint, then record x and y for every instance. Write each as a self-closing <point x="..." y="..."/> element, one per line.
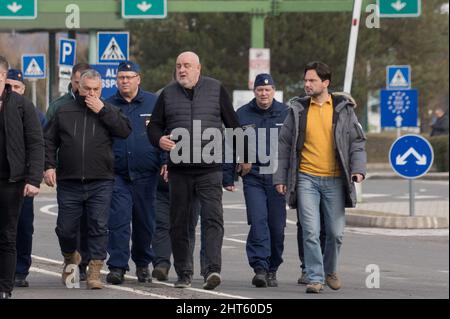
<point x="411" y="156"/>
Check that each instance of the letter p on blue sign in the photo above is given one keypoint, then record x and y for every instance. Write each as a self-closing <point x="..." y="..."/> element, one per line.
<point x="67" y="52"/>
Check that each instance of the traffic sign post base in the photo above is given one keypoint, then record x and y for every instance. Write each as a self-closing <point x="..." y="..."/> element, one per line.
<point x="33" y="91"/>
<point x="412" y="211"/>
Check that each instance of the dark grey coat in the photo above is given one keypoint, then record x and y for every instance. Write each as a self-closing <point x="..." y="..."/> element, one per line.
<point x="349" y="140"/>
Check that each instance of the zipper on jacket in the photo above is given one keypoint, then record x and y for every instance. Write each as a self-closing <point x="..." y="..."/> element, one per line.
<point x="338" y="153"/>
<point x="82" y="145"/>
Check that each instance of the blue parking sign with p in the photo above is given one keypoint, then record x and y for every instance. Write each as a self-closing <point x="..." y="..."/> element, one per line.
<point x="67" y="52"/>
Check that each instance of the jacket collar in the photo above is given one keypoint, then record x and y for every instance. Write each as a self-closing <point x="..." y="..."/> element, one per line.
<point x="272" y="109"/>
<point x="138" y="98"/>
<point x="339" y="102"/>
<point x="6" y="93"/>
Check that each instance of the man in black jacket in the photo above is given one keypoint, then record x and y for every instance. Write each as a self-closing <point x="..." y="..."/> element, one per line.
<point x="181" y="106"/>
<point x="440" y="123"/>
<point x="21" y="166"/>
<point x="81" y="133"/>
<point x="25" y="227"/>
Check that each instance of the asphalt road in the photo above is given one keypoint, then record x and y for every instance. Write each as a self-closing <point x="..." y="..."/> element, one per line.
<point x="379" y="190"/>
<point x="411" y="263"/>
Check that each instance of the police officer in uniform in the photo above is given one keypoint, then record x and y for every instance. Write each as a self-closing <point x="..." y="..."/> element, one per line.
<point x="136" y="166"/>
<point x="266" y="209"/>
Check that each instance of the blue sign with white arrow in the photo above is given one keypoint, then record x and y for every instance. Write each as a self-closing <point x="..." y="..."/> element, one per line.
<point x="399" y="108"/>
<point x="411" y="156"/>
<point x="33" y="66"/>
<point x="398" y="77"/>
<point x="113" y="47"/>
<point x="67" y="52"/>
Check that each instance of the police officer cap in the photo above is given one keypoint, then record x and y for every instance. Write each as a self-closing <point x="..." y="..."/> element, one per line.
<point x="128" y="66"/>
<point x="14" y="74"/>
<point x="263" y="79"/>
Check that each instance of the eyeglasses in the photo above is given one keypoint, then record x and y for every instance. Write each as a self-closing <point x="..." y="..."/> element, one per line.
<point x="126" y="77"/>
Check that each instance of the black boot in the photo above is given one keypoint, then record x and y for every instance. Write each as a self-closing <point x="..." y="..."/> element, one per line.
<point x="20" y="280"/>
<point x="83" y="274"/>
<point x="260" y="278"/>
<point x="115" y="276"/>
<point x="272" y="279"/>
<point x="143" y="274"/>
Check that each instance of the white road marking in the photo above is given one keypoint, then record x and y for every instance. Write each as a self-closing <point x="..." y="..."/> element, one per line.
<point x="398" y="232"/>
<point x="238" y="235"/>
<point x="237" y="222"/>
<point x="215" y="293"/>
<point x="368" y="195"/>
<point x="406" y="196"/>
<point x="121" y="288"/>
<point x="290" y="222"/>
<point x="235" y="240"/>
<point x="46" y="209"/>
<point x="40" y="198"/>
<point x="235" y="206"/>
<point x="392" y="277"/>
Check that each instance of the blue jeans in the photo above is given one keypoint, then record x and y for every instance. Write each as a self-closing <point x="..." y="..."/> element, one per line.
<point x="266" y="215"/>
<point x="132" y="216"/>
<point x="74" y="199"/>
<point x="324" y="195"/>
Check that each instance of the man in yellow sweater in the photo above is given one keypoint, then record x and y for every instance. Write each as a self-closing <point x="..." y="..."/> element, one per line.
<point x="321" y="155"/>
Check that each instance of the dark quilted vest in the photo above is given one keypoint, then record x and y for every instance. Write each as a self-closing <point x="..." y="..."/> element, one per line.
<point x="180" y="111"/>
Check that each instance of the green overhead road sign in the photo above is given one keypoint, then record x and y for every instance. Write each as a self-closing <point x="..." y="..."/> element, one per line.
<point x="399" y="8"/>
<point x="18" y="9"/>
<point x="144" y="9"/>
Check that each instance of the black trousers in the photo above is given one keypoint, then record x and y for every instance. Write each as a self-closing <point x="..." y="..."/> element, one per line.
<point x="11" y="199"/>
<point x="161" y="238"/>
<point x="25" y="232"/>
<point x="185" y="189"/>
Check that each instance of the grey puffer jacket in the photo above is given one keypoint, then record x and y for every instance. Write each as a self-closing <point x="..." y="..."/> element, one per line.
<point x="349" y="141"/>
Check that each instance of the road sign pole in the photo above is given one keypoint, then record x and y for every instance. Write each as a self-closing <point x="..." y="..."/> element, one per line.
<point x="412" y="211"/>
<point x="92" y="47"/>
<point x="351" y="54"/>
<point x="33" y="91"/>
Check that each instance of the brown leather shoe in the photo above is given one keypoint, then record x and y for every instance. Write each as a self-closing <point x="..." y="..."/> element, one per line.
<point x="93" y="274"/>
<point x="314" y="288"/>
<point x="333" y="281"/>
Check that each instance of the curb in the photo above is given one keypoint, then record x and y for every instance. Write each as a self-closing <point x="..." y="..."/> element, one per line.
<point x="364" y="218"/>
<point x="390" y="175"/>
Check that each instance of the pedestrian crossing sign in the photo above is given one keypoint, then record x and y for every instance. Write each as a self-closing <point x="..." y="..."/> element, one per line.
<point x="113" y="47"/>
<point x="33" y="66"/>
<point x="398" y="77"/>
